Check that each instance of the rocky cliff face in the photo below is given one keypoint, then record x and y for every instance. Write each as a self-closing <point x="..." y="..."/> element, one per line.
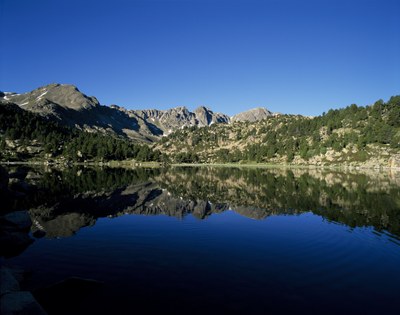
<point x="67" y="105"/>
<point x="179" y="117"/>
<point x="171" y="119"/>
<point x="206" y="117"/>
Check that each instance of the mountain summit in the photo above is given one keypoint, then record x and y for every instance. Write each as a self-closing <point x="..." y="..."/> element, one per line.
<point x="64" y="95"/>
<point x="252" y="115"/>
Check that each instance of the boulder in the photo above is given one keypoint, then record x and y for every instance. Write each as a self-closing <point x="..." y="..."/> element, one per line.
<point x="18" y="273"/>
<point x="14" y="229"/>
<point x="12" y="300"/>
<point x="8" y="283"/>
<point x="13" y="243"/>
<point x="20" y="303"/>
<point x="17" y="220"/>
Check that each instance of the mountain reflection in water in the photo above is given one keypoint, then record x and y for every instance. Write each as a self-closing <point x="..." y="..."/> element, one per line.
<point x="61" y="202"/>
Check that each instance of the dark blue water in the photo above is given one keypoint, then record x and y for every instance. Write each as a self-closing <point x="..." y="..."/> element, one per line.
<point x="223" y="263"/>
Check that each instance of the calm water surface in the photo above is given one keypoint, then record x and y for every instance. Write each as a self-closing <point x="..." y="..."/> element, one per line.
<point x="214" y="240"/>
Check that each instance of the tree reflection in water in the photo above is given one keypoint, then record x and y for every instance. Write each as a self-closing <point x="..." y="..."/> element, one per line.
<point x="61" y="201"/>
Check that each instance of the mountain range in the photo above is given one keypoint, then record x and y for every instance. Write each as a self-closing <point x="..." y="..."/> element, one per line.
<point x="65" y="104"/>
<point x="59" y="123"/>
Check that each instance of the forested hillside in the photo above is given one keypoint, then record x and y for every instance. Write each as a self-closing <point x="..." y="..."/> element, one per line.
<point x="350" y="135"/>
<point x="25" y="135"/>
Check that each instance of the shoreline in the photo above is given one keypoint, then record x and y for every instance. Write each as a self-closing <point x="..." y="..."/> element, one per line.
<point x="130" y="164"/>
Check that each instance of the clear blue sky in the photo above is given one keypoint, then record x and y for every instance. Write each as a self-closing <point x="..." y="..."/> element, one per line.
<point x="291" y="56"/>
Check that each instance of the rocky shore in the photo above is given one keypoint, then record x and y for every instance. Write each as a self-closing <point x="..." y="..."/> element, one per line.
<point x="14" y="238"/>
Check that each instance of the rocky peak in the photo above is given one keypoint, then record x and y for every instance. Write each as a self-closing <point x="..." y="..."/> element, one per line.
<point x="203" y="115"/>
<point x="64" y="95"/>
<point x="152" y="114"/>
<point x="180" y="111"/>
<point x="202" y="109"/>
<point x="176" y="118"/>
<point x="206" y="116"/>
<point x="252" y="115"/>
<point x="68" y="96"/>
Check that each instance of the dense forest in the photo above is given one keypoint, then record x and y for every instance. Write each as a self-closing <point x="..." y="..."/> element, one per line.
<point x="353" y="133"/>
<point x="24" y="135"/>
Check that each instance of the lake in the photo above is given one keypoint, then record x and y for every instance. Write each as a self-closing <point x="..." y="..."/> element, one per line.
<point x="211" y="240"/>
